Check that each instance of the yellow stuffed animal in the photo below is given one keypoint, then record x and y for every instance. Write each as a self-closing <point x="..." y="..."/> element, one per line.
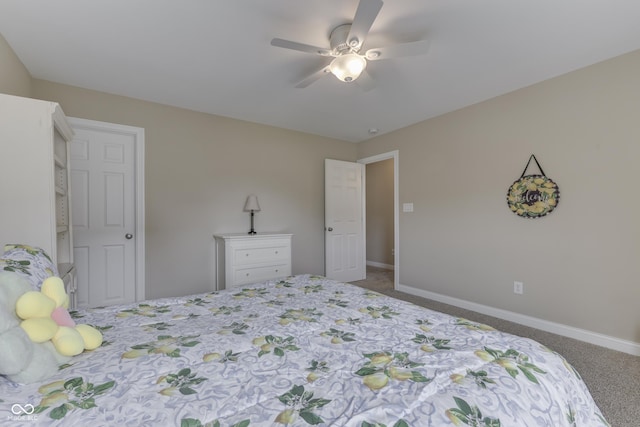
<point x="22" y="360"/>
<point x="45" y="317"/>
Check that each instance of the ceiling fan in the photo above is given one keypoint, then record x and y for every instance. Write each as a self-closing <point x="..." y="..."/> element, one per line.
<point x="346" y="41"/>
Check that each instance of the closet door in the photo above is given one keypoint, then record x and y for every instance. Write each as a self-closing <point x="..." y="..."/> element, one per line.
<point x="103" y="177"/>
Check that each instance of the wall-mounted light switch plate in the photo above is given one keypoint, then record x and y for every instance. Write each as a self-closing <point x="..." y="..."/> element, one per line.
<point x="407" y="207"/>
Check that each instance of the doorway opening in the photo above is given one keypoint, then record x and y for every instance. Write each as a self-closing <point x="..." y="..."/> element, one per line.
<point x="381" y="207"/>
<point x="107" y="183"/>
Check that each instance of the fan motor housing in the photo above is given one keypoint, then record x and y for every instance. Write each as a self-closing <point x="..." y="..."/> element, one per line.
<point x="338" y="38"/>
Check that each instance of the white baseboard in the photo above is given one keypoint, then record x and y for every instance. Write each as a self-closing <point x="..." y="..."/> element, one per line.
<point x="380" y="265"/>
<point x="613" y="343"/>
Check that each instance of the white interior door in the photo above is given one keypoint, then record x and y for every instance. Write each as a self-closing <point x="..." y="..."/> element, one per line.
<point x="103" y="186"/>
<point x="344" y="221"/>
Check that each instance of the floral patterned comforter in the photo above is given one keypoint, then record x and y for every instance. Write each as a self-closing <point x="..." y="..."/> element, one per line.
<point x="301" y="351"/>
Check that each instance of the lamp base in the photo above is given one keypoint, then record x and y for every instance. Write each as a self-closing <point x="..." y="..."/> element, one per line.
<point x="252" y="231"/>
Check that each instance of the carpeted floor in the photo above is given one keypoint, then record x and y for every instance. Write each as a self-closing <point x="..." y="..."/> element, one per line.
<point x="612" y="377"/>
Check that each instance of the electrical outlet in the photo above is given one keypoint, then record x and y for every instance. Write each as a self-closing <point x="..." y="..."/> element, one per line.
<point x="518" y="288"/>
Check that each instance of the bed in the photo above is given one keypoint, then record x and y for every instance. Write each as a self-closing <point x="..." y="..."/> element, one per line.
<point x="302" y="350"/>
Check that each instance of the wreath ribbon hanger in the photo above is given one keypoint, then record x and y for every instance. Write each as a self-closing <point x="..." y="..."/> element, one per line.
<point x="527" y="167"/>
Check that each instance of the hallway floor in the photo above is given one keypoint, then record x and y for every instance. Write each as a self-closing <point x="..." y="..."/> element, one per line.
<point x="378" y="279"/>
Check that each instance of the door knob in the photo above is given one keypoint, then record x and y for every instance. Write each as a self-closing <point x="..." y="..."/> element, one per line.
<point x="330" y="229"/>
<point x="128" y="236"/>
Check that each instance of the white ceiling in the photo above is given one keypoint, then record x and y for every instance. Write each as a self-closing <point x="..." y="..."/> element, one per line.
<point x="215" y="56"/>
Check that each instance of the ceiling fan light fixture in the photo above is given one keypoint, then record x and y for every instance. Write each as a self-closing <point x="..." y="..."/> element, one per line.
<point x="348" y="67"/>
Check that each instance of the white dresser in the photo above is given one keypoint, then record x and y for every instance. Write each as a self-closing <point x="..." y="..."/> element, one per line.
<point x="242" y="258"/>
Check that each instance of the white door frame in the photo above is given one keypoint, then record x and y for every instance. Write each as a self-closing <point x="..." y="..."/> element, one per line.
<point x="138" y="135"/>
<point x="396" y="206"/>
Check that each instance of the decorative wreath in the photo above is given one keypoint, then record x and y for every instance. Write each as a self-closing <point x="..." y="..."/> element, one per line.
<point x="533" y="196"/>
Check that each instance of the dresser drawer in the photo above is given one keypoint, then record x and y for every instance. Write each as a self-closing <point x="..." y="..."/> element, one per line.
<point x="243" y="276"/>
<point x="270" y="254"/>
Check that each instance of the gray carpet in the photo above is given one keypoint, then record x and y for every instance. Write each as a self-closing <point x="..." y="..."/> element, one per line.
<point x="612" y="377"/>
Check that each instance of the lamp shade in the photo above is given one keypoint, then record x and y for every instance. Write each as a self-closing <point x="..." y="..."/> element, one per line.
<point x="348" y="67"/>
<point x="252" y="204"/>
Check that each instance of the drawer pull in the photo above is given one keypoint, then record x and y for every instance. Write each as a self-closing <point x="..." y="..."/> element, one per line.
<point x="247" y="274"/>
<point x="276" y="252"/>
<point x="246" y="254"/>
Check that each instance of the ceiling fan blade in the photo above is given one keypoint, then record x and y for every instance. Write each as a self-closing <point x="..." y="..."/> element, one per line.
<point x="288" y="44"/>
<point x="405" y="49"/>
<point x="315" y="76"/>
<point x="365" y="81"/>
<point x="362" y="21"/>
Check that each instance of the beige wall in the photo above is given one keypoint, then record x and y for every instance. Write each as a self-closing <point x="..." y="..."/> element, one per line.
<point x="14" y="77"/>
<point x="581" y="264"/>
<point x="379" y="196"/>
<point x="200" y="169"/>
